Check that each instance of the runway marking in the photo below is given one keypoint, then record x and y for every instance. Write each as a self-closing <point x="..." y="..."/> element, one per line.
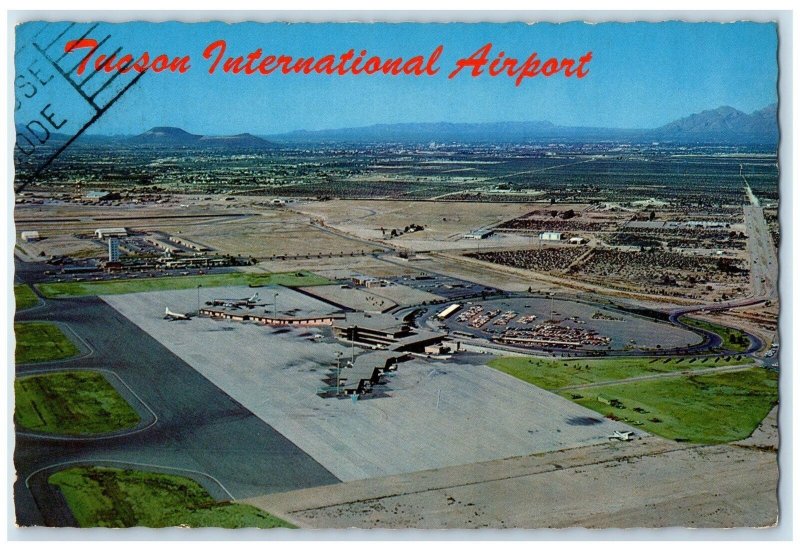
<point x="81" y="339"/>
<point x="91" y="462"/>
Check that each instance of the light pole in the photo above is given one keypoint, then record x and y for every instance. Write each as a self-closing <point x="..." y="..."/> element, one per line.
<point x="198" y="299"/>
<point x="338" y="370"/>
<point x="275" y="305"/>
<point x="353" y="345"/>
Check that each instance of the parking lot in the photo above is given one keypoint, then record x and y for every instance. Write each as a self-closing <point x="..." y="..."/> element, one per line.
<point x="443" y="286"/>
<point x="624" y="331"/>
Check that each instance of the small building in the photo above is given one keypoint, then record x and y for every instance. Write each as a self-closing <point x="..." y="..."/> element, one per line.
<point x="550" y="236"/>
<point x="188" y="243"/>
<point x="101" y="195"/>
<point x="29" y="236"/>
<point x="105" y="233"/>
<point x="441" y="348"/>
<point x="368" y="282"/>
<point x="449" y="311"/>
<point x="577" y="240"/>
<point x="479" y="234"/>
<point x="163" y="245"/>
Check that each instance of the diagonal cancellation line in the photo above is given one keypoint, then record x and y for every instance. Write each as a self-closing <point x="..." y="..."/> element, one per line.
<point x="90" y="122"/>
<point x="20" y="48"/>
<point x="84" y="81"/>
<point x="91" y="53"/>
<point x="112" y="79"/>
<point x="56" y="39"/>
<point x="66" y="51"/>
<point x="66" y="77"/>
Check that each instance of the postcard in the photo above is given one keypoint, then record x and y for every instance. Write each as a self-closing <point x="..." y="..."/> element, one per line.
<point x="403" y="275"/>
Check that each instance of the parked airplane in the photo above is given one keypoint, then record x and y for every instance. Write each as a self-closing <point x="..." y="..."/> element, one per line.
<point x="173" y="316"/>
<point x="234" y="302"/>
<point x="621" y="436"/>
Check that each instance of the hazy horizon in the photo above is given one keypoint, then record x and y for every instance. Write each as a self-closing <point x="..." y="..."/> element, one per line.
<point x="642" y="75"/>
<point x="587" y="126"/>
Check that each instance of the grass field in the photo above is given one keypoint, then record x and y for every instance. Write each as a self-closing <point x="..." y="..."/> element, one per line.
<point x="705" y="409"/>
<point x="71" y="402"/>
<point x="100" y="496"/>
<point x="732" y="339"/>
<point x="39" y="341"/>
<point x="553" y="374"/>
<point x="24" y="297"/>
<point x="123" y="286"/>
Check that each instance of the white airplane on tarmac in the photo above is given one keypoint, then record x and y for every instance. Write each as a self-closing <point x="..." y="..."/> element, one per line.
<point x="173" y="316"/>
<point x="622" y="436"/>
<point x="234" y="302"/>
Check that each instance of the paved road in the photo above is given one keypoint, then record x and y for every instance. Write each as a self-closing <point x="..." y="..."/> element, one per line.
<point x="763" y="258"/>
<point x="200" y="431"/>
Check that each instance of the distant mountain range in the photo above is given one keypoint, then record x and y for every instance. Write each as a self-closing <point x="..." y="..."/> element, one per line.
<point x="723" y="125"/>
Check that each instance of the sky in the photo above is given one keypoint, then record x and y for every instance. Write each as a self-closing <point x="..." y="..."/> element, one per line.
<point x="642" y="75"/>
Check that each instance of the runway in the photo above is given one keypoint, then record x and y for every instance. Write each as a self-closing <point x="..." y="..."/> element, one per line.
<point x="200" y="432"/>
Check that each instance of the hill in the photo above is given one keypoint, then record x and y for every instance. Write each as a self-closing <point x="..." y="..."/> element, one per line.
<point x="725" y="124"/>
<point x="169" y="136"/>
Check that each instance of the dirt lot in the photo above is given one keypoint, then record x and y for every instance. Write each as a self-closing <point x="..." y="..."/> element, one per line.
<point x="241" y="227"/>
<point x="342" y="267"/>
<point x="442" y="221"/>
<point x="270" y="234"/>
<point x="62" y="245"/>
<point x="646" y="483"/>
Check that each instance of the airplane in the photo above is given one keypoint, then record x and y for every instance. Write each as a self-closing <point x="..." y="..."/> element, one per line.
<point x="234" y="302"/>
<point x="173" y="316"/>
<point x="623" y="436"/>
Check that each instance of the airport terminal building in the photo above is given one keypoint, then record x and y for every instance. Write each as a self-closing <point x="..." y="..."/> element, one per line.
<point x="384" y="331"/>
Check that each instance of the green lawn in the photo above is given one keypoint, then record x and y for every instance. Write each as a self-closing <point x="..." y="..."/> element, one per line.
<point x="40" y="341"/>
<point x="101" y="496"/>
<point x="732" y="339"/>
<point x="140" y="285"/>
<point x="71" y="402"/>
<point x="25" y="297"/>
<point x="553" y="373"/>
<point x="707" y="409"/>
